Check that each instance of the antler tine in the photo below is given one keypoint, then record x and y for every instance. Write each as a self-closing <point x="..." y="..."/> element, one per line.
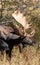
<point x="28" y="26"/>
<point x="31" y="34"/>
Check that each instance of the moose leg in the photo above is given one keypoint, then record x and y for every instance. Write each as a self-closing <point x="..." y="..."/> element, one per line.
<point x="9" y="53"/>
<point x="20" y="47"/>
<point x="3" y="45"/>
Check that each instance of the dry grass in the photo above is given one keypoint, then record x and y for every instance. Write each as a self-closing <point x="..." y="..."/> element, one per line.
<point x="29" y="56"/>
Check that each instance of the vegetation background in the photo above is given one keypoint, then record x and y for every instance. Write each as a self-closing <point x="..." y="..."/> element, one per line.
<point x="31" y="9"/>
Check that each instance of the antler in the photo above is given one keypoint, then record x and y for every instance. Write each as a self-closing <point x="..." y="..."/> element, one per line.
<point x="20" y="18"/>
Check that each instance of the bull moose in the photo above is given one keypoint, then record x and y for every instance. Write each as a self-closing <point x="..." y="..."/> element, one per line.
<point x="13" y="35"/>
